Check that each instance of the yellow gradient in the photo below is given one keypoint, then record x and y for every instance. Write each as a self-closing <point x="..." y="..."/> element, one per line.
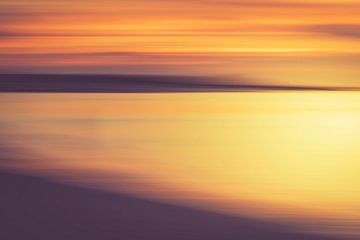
<point x="291" y="155"/>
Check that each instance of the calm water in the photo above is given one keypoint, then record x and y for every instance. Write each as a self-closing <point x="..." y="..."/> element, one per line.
<point x="283" y="155"/>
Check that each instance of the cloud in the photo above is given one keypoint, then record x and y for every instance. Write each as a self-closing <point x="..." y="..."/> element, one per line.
<point x="6" y="34"/>
<point x="341" y="30"/>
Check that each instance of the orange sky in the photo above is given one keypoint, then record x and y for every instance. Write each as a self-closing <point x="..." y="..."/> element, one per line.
<point x="302" y="42"/>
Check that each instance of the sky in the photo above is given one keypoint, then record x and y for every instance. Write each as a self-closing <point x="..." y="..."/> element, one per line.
<point x="275" y="42"/>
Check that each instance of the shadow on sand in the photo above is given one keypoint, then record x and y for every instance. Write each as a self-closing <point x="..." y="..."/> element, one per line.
<point x="37" y="208"/>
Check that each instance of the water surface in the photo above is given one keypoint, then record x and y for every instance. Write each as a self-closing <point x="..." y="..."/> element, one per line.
<point x="279" y="155"/>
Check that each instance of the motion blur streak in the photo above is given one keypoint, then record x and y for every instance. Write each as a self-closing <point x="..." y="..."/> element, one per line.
<point x="179" y="119"/>
<point x="294" y="159"/>
<point x="276" y="42"/>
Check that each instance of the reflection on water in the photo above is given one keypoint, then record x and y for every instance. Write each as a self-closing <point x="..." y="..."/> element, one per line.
<point x="291" y="155"/>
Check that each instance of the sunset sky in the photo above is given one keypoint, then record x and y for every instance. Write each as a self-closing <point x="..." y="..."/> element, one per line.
<point x="299" y="42"/>
<point x="243" y="108"/>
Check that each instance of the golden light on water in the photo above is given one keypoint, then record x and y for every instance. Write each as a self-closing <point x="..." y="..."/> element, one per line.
<point x="275" y="155"/>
